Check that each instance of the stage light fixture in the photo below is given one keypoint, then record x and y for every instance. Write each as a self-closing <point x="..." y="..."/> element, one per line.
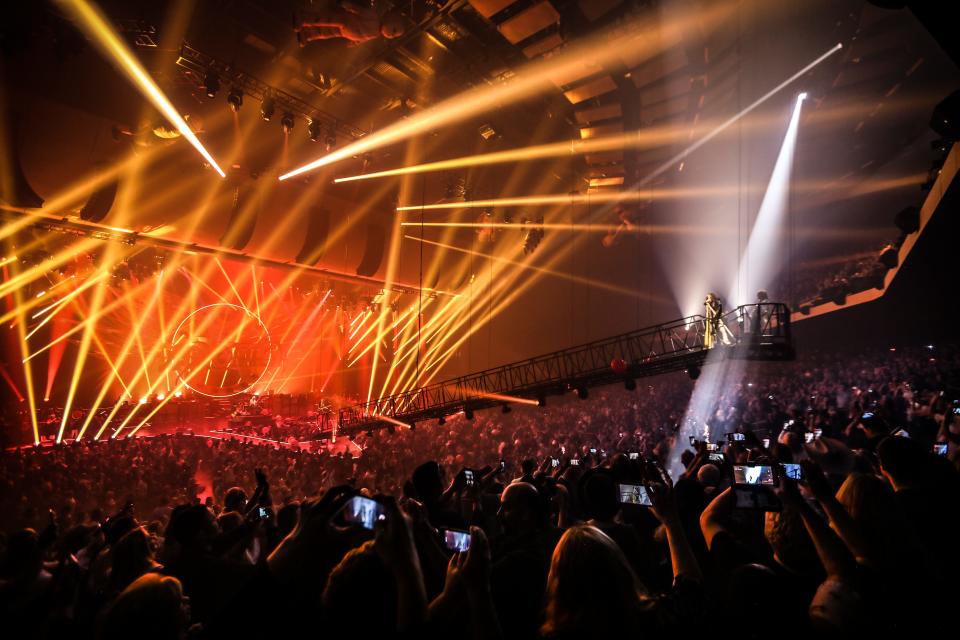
<point x="211" y="84"/>
<point x="630" y="384"/>
<point x="506" y="408"/>
<point x="583" y="393"/>
<point x="693" y="371"/>
<point x="267" y="108"/>
<point x="889" y="257"/>
<point x="908" y="220"/>
<point x="331" y="140"/>
<point x="441" y="421"/>
<point x="945" y="119"/>
<point x="541" y="400"/>
<point x="287" y="122"/>
<point x="468" y="413"/>
<point x="235" y="99"/>
<point x="314" y="130"/>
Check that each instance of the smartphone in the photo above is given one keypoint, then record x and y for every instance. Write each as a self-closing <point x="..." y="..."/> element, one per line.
<point x="456" y="540"/>
<point x="593" y="451"/>
<point x="634" y="494"/>
<point x="753" y="475"/>
<point x="901" y="433"/>
<point x="956" y="411"/>
<point x="808" y="437"/>
<point x="363" y="511"/>
<point x="693" y="441"/>
<point x="762" y="500"/>
<point x="713" y="446"/>
<point x="736" y="437"/>
<point x="554" y="463"/>
<point x="262" y="513"/>
<point x="766" y="443"/>
<point x="468" y="477"/>
<point x="792" y="470"/>
<point x="940" y="448"/>
<point x="817" y="433"/>
<point x="716" y="457"/>
<point x="633" y="455"/>
<point x="574" y="462"/>
<point x="503" y="464"/>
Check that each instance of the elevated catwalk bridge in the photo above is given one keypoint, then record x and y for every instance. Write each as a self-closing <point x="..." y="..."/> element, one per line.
<point x="753" y="332"/>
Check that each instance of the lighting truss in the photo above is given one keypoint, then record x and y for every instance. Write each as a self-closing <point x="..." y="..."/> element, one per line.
<point x="112" y="234"/>
<point x="762" y="332"/>
<point x="200" y="63"/>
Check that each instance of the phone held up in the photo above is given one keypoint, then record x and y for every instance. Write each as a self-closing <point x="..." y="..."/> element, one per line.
<point x="364" y="512"/>
<point x="456" y="540"/>
<point x="753" y="487"/>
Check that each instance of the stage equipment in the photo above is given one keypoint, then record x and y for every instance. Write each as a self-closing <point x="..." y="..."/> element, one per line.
<point x="671" y="346"/>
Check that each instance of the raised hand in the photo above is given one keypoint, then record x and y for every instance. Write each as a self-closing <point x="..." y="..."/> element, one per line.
<point x="660" y="490"/>
<point x="816" y="480"/>
<point x="471" y="569"/>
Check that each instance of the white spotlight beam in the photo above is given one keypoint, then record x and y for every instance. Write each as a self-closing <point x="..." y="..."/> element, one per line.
<point x="763" y="257"/>
<point x="92" y="22"/>
<point x="756" y="103"/>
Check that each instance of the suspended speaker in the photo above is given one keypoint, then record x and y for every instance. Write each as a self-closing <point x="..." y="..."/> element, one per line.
<point x="100" y="202"/>
<point x="373" y="254"/>
<point x="14" y="187"/>
<point x="240" y="227"/>
<point x="316" y="238"/>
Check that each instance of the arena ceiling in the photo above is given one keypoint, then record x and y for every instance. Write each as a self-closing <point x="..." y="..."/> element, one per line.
<point x="864" y="148"/>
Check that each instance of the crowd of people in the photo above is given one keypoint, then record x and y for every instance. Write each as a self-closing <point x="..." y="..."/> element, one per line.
<point x="816" y="285"/>
<point x="574" y="527"/>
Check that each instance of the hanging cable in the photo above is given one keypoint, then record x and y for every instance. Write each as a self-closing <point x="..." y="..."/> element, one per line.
<point x="423" y="200"/>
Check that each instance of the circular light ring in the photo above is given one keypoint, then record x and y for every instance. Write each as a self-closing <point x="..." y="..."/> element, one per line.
<point x="265" y="332"/>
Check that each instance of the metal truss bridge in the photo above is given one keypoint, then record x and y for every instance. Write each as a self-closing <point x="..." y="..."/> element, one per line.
<point x="754" y="332"/>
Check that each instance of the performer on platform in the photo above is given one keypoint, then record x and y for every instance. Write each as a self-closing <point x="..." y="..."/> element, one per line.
<point x="716" y="331"/>
<point x="713" y="311"/>
<point x="761" y="315"/>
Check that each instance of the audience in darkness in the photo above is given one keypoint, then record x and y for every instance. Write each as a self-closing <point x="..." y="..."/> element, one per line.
<point x="176" y="535"/>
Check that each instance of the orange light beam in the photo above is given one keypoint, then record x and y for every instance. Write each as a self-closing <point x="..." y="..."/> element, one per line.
<point x="534" y="78"/>
<point x="122" y="358"/>
<point x="253" y="279"/>
<point x="503" y="397"/>
<point x="599" y="284"/>
<point x="27" y="369"/>
<point x="61" y="303"/>
<point x="243" y="303"/>
<point x="90" y="327"/>
<point x="380" y="336"/>
<point x="13" y="385"/>
<point x="89" y="320"/>
<point x="97" y="28"/>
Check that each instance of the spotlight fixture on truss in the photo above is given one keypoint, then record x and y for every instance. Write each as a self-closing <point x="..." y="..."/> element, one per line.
<point x="211" y="84"/>
<point x="235" y="99"/>
<point x="267" y="108"/>
<point x="314" y="130"/>
<point x="287" y="122"/>
<point x="331" y="140"/>
<point x="200" y="65"/>
<point x="487" y="131"/>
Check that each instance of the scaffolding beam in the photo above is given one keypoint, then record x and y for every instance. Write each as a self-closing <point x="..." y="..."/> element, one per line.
<point x="758" y="332"/>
